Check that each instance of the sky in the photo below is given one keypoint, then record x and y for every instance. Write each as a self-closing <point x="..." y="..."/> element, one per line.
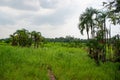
<point x="53" y="18"/>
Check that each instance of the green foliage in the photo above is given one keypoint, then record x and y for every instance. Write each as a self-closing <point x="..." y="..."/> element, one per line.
<point x="68" y="41"/>
<point x="87" y="22"/>
<point x="113" y="7"/>
<point x="25" y="38"/>
<point x="116" y="47"/>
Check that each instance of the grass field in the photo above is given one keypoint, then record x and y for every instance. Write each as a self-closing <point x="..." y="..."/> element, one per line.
<point x="18" y="63"/>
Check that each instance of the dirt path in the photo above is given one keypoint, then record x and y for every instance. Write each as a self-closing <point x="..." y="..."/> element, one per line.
<point x="50" y="74"/>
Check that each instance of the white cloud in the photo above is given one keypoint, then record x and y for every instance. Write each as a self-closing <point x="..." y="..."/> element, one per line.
<point x="21" y="4"/>
<point x="53" y="18"/>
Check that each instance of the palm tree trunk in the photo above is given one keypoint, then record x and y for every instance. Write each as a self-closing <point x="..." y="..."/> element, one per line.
<point x="110" y="42"/>
<point x="92" y="33"/>
<point x="104" y="53"/>
<point x="88" y="35"/>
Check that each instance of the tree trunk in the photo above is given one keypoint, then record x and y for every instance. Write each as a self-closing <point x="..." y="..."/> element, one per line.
<point x="104" y="52"/>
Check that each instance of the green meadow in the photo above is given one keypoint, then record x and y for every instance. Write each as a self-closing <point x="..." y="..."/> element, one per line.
<point x="66" y="63"/>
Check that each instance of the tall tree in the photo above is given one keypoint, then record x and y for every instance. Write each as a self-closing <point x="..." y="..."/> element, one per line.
<point x="103" y="32"/>
<point x="83" y="25"/>
<point x="87" y="22"/>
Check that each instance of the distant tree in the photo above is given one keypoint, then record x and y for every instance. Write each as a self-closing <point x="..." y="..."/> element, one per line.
<point x="24" y="38"/>
<point x="36" y="36"/>
<point x="14" y="40"/>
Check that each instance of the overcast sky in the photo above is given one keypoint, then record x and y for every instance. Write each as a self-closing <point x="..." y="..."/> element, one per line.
<point x="53" y="18"/>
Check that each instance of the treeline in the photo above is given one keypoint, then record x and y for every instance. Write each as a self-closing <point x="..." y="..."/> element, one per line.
<point x="24" y="38"/>
<point x="66" y="39"/>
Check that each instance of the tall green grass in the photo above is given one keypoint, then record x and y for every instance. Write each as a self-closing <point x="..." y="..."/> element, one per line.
<point x="18" y="63"/>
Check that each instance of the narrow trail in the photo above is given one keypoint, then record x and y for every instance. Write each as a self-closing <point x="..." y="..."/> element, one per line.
<point x="51" y="74"/>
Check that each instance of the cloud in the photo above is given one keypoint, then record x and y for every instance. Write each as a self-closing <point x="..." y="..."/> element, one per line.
<point x="21" y="4"/>
<point x="5" y="19"/>
<point x="52" y="12"/>
<point x="56" y="18"/>
<point x="54" y="3"/>
<point x="48" y="3"/>
<point x="53" y="18"/>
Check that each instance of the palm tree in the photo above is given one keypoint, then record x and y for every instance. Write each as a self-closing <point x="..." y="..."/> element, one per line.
<point x="103" y="32"/>
<point x="23" y="35"/>
<point x="83" y="25"/>
<point x="114" y="10"/>
<point x="91" y="18"/>
<point x="25" y="38"/>
<point x="114" y="5"/>
<point x="14" y="40"/>
<point x="36" y="36"/>
<point x="87" y="22"/>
